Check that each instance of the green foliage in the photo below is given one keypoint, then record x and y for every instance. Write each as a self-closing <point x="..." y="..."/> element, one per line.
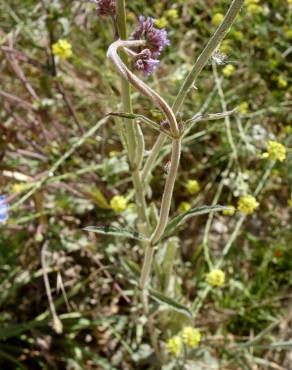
<point x="94" y="275"/>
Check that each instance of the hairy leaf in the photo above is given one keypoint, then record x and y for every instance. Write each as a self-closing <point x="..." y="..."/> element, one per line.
<point x="114" y="231"/>
<point x="176" y="221"/>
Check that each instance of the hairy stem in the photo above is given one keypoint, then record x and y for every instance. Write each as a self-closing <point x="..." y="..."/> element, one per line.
<point x="209" y="49"/>
<point x="168" y="190"/>
<point x="200" y="63"/>
<point x="155" y="98"/>
<point x="130" y="126"/>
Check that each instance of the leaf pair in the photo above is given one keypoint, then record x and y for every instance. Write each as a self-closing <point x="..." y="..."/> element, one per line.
<point x="171" y="226"/>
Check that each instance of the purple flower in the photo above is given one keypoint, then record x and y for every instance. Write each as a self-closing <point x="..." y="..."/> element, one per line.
<point x="156" y="38"/>
<point x="105" y="7"/>
<point x="144" y="62"/>
<point x="3" y="209"/>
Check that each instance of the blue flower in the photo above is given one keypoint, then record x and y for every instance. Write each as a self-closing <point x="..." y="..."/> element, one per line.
<point x="3" y="209"/>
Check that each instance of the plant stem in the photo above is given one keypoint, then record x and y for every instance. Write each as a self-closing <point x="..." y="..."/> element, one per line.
<point x="150" y="162"/>
<point x="168" y="190"/>
<point x="147" y="264"/>
<point x="224" y="109"/>
<point x="200" y="63"/>
<point x="197" y="304"/>
<point x="209" y="49"/>
<point x="130" y="126"/>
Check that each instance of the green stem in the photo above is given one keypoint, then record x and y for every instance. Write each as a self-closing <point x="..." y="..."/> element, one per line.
<point x="224" y="109"/>
<point x="168" y="190"/>
<point x="209" y="49"/>
<point x="197" y="304"/>
<point x="147" y="264"/>
<point x="130" y="126"/>
<point x="125" y="86"/>
<point x="201" y="62"/>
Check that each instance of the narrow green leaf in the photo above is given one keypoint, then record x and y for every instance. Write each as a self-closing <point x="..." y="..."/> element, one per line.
<point x="176" y="221"/>
<point x="173" y="304"/>
<point x="147" y="120"/>
<point x="114" y="231"/>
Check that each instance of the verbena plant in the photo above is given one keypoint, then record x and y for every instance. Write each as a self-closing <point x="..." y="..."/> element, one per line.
<point x="131" y="55"/>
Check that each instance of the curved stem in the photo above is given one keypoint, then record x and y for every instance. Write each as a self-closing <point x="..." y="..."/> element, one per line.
<point x="140" y="85"/>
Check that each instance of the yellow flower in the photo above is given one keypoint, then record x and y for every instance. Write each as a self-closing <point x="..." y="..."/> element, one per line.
<point x="184" y="207"/>
<point x="228" y="70"/>
<point x="281" y="82"/>
<point x="243" y="107"/>
<point x="174" y="345"/>
<point x="172" y="14"/>
<point x="216" y="277"/>
<point x="225" y="46"/>
<point x="289" y="202"/>
<point x="118" y="203"/>
<point x="62" y="49"/>
<point x="288" y="32"/>
<point x="276" y="151"/>
<point x="217" y="19"/>
<point x="254" y="9"/>
<point x="238" y="35"/>
<point x="247" y="204"/>
<point x="229" y="212"/>
<point x="20" y="187"/>
<point x="191" y="336"/>
<point x="113" y="153"/>
<point x="192" y="186"/>
<point x="161" y="22"/>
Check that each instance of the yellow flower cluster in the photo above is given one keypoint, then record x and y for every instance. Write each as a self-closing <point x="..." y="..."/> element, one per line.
<point x="161" y="22"/>
<point x="282" y="82"/>
<point x="276" y="151"/>
<point x="118" y="203"/>
<point x="228" y="70"/>
<point x="170" y="15"/>
<point x="184" y="207"/>
<point x="253" y="6"/>
<point x="229" y="212"/>
<point x="174" y="345"/>
<point x="20" y="187"/>
<point x="217" y="19"/>
<point x="243" y="107"/>
<point x="189" y="336"/>
<point x="247" y="204"/>
<point x="216" y="277"/>
<point x="192" y="186"/>
<point x="62" y="49"/>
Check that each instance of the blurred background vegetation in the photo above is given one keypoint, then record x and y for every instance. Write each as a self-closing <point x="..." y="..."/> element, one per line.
<point x="47" y="107"/>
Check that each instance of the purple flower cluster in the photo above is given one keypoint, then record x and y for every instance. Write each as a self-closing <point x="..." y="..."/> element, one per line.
<point x="144" y="62"/>
<point x="156" y="41"/>
<point x="3" y="209"/>
<point x="105" y="7"/>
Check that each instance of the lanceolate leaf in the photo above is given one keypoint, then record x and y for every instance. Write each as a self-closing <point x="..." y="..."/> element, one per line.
<point x="173" y="304"/>
<point x="114" y="231"/>
<point x="176" y="221"/>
